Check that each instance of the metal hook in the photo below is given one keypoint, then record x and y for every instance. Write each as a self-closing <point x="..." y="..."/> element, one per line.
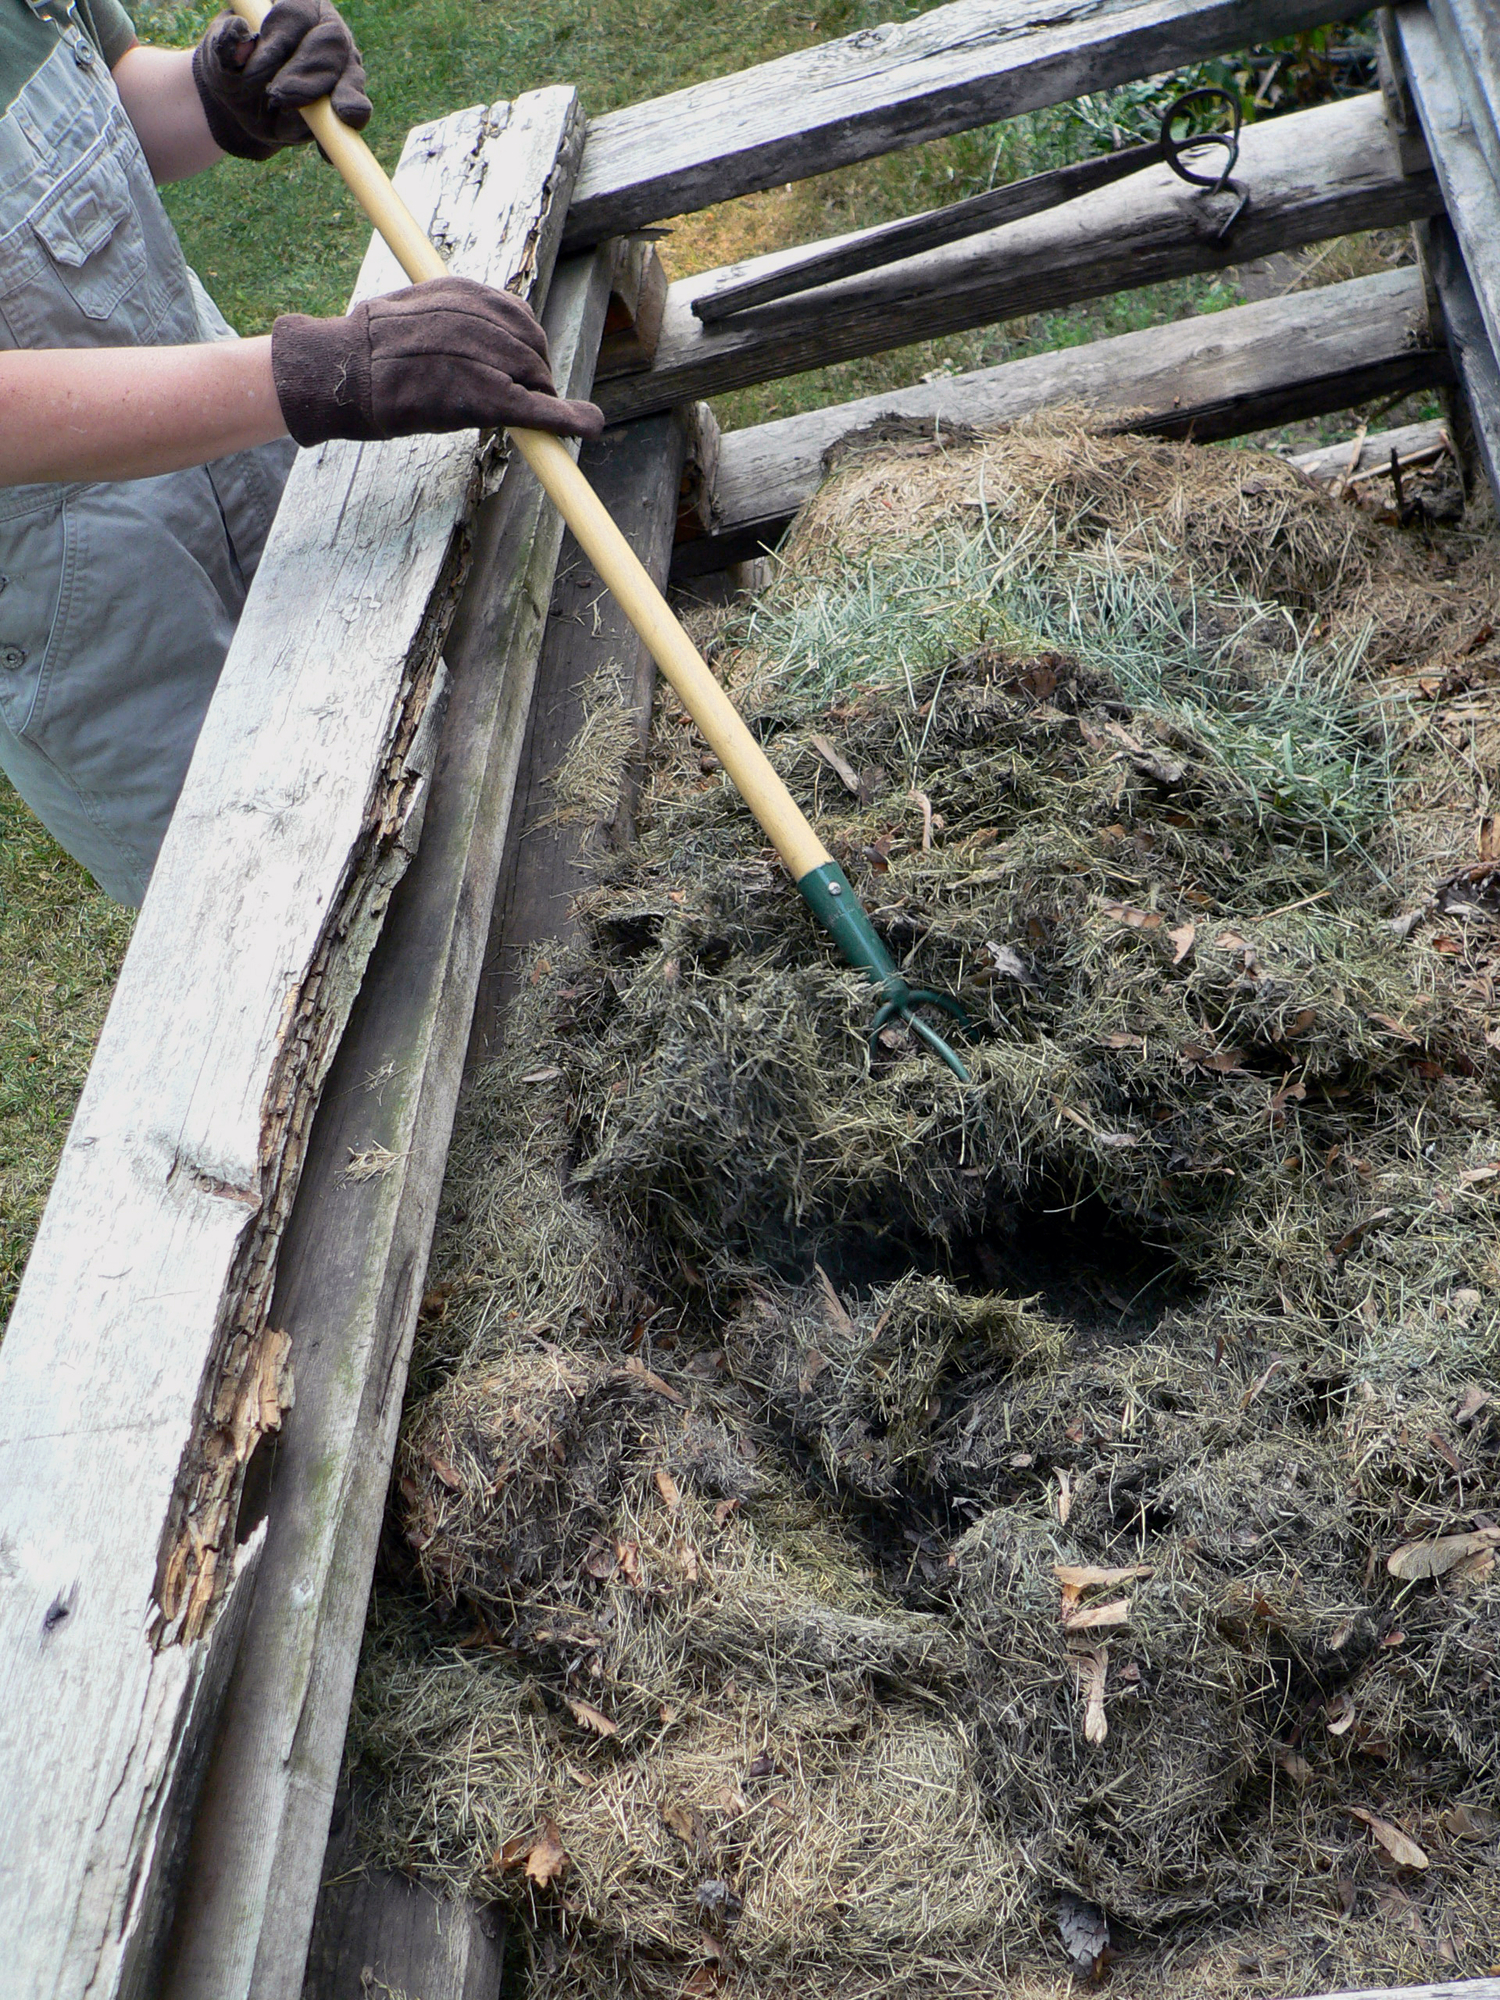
<point x="1175" y="151"/>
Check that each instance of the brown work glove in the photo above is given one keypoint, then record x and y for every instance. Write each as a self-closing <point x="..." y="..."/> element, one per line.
<point x="449" y="355"/>
<point x="251" y="85"/>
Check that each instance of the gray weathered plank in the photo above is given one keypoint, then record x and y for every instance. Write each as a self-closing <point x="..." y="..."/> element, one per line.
<point x="947" y="70"/>
<point x="379" y="1935"/>
<point x="636" y="469"/>
<point x="929" y="231"/>
<point x="1471" y="193"/>
<point x="350" y="1277"/>
<point x="1468" y="344"/>
<point x="1215" y="377"/>
<point x="1448" y="1989"/>
<point x="1312" y="174"/>
<point x="140" y="1370"/>
<point x="1332" y="464"/>
<point x="1469" y="31"/>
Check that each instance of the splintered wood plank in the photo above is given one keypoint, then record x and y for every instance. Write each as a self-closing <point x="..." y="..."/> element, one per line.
<point x="1253" y="366"/>
<point x="349" y="1282"/>
<point x="1311" y="175"/>
<point x="636" y="469"/>
<point x="946" y="71"/>
<point x="141" y="1368"/>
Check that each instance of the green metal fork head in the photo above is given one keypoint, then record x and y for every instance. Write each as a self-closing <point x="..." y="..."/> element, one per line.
<point x="828" y="894"/>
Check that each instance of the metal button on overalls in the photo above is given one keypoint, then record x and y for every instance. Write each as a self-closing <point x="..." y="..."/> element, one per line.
<point x="120" y="599"/>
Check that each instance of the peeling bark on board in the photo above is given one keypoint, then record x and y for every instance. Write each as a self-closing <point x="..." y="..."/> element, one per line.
<point x="139" y="1370"/>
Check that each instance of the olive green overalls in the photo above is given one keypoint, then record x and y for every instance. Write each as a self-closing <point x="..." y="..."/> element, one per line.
<point x="117" y="602"/>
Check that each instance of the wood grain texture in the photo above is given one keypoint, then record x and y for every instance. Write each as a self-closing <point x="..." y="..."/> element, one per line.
<point x="915" y="234"/>
<point x="1471" y="191"/>
<point x="949" y="69"/>
<point x="351" y="1270"/>
<point x="1469" y="31"/>
<point x="1332" y="464"/>
<point x="1274" y="362"/>
<point x="1312" y="174"/>
<point x="1450" y="1989"/>
<point x="380" y="1934"/>
<point x="1468" y="344"/>
<point x="636" y="469"/>
<point x="140" y="1369"/>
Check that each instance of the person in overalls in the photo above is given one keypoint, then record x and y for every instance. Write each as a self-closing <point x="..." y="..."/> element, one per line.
<point x="143" y="447"/>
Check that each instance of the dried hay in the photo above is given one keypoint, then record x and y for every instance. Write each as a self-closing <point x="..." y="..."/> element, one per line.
<point x="878" y="1533"/>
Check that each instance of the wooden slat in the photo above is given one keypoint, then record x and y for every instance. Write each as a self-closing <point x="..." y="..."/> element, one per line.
<point x="1245" y="369"/>
<point x="915" y="234"/>
<point x="380" y="1935"/>
<point x="1333" y="464"/>
<point x="139" y="1368"/>
<point x="1469" y="31"/>
<point x="946" y="71"/>
<point x="1468" y="345"/>
<point x="351" y="1270"/>
<point x="1471" y="192"/>
<point x="409" y="1939"/>
<point x="1312" y="174"/>
<point x="636" y="469"/>
<point x="1448" y="1989"/>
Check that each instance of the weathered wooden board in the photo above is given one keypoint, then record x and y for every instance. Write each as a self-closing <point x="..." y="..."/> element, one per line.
<point x="380" y="1935"/>
<point x="1468" y="344"/>
<point x="1469" y="31"/>
<point x="140" y="1368"/>
<point x="1215" y="377"/>
<point x="1312" y="174"/>
<point x="947" y="70"/>
<point x="413" y="1941"/>
<point x="915" y="234"/>
<point x="350" y="1277"/>
<point x="636" y="469"/>
<point x="1471" y="192"/>
<point x="1333" y="464"/>
<point x="1451" y="1989"/>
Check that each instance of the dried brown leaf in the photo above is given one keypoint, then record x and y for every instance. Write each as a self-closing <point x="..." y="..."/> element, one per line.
<point x="1084" y="1576"/>
<point x="591" y="1717"/>
<point x="1138" y="920"/>
<point x="668" y="1488"/>
<point x="546" y="1859"/>
<point x="637" y="1371"/>
<point x="1414" y="1560"/>
<point x="1400" y="1846"/>
<point x="1183" y="939"/>
<point x="1090" y="1617"/>
<point x="845" y="772"/>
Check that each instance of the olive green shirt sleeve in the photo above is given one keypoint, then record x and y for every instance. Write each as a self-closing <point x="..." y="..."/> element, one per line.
<point x="110" y="27"/>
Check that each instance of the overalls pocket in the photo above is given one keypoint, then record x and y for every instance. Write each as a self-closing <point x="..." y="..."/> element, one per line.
<point x="36" y="576"/>
<point x="89" y="229"/>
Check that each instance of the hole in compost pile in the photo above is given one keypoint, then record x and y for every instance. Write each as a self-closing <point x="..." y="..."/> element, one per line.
<point x="1321" y="1400"/>
<point x="1108" y="1285"/>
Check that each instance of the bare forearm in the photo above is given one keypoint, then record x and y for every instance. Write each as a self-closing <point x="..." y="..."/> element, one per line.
<point x="161" y="101"/>
<point x="131" y="412"/>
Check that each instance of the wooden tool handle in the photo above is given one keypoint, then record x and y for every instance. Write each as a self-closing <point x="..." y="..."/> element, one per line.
<point x="619" y="567"/>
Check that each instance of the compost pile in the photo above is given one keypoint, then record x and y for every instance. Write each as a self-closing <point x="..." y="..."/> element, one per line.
<point x="870" y="1535"/>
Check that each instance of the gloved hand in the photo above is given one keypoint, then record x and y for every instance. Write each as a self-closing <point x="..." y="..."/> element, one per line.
<point x="447" y="355"/>
<point x="251" y="85"/>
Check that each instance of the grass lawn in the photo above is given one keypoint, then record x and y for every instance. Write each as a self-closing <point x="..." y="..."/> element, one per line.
<point x="284" y="236"/>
